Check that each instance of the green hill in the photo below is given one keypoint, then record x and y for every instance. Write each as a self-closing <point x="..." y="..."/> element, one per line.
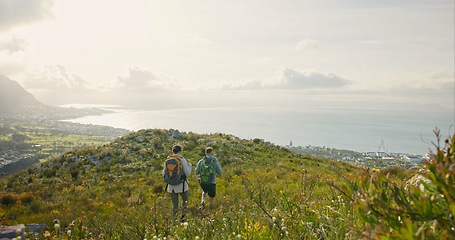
<point x="116" y="191"/>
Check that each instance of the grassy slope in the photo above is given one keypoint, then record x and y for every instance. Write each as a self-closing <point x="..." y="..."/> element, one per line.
<point x="265" y="191"/>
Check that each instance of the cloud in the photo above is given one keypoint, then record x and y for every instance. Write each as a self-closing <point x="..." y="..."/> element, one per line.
<point x="307" y="43"/>
<point x="19" y="12"/>
<point x="12" y="45"/>
<point x="55" y="77"/>
<point x="138" y="78"/>
<point x="290" y="79"/>
<point x="293" y="79"/>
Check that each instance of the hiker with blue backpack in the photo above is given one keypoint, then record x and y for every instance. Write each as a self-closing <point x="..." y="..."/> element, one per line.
<point x="207" y="168"/>
<point x="175" y="172"/>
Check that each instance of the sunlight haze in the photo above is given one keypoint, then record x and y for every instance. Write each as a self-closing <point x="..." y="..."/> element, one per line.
<point x="143" y="54"/>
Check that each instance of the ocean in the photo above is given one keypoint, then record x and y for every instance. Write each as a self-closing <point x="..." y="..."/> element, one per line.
<point x="361" y="130"/>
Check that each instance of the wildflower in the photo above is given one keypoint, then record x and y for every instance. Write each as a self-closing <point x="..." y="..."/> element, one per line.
<point x="47" y="234"/>
<point x="18" y="231"/>
<point x="68" y="232"/>
<point x="197" y="238"/>
<point x="56" y="226"/>
<point x="185" y="224"/>
<point x="284" y="229"/>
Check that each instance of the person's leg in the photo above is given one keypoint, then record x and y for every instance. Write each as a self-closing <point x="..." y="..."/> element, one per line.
<point x="203" y="198"/>
<point x="204" y="193"/>
<point x="211" y="199"/>
<point x="185" y="196"/>
<point x="212" y="193"/>
<point x="175" y="202"/>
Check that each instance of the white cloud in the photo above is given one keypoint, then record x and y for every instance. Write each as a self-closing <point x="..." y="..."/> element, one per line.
<point x="293" y="79"/>
<point x="307" y="43"/>
<point x="19" y="12"/>
<point x="290" y="79"/>
<point x="13" y="44"/>
<point x="54" y="77"/>
<point x="138" y="78"/>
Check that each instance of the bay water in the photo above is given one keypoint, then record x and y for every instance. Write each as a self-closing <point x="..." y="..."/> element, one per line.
<point x="362" y="130"/>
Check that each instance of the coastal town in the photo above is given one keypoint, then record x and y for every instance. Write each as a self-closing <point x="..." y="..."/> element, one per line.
<point x="18" y="149"/>
<point x="377" y="160"/>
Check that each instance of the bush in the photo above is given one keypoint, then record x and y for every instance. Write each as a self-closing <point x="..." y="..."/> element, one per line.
<point x="49" y="172"/>
<point x="422" y="210"/>
<point x="8" y="199"/>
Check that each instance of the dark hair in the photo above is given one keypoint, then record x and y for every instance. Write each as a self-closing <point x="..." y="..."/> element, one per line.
<point x="176" y="148"/>
<point x="208" y="150"/>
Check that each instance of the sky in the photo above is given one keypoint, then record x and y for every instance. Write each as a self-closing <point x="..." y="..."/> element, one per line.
<point x="227" y="53"/>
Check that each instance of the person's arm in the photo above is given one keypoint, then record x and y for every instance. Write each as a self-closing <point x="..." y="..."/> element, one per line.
<point x="164" y="169"/>
<point x="218" y="169"/>
<point x="198" y="168"/>
<point x="186" y="167"/>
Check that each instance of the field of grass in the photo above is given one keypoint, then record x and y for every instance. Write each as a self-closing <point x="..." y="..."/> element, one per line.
<point x="116" y="191"/>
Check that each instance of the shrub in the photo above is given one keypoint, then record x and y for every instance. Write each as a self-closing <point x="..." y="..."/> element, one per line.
<point x="49" y="172"/>
<point x="423" y="210"/>
<point x="26" y="198"/>
<point x="8" y="199"/>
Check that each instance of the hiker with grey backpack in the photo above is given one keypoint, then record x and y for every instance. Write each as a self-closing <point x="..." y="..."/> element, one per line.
<point x="175" y="172"/>
<point x="207" y="168"/>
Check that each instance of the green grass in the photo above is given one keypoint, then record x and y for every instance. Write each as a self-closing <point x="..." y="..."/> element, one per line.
<point x="266" y="192"/>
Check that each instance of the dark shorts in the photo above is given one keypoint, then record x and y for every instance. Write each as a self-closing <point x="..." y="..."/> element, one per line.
<point x="210" y="189"/>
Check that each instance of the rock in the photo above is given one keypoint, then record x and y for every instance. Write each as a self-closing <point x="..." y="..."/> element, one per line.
<point x="36" y="227"/>
<point x="176" y="134"/>
<point x="10" y="232"/>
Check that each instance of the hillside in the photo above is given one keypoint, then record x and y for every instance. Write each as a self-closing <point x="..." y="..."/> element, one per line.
<point x="13" y="97"/>
<point x="121" y="181"/>
<point x="116" y="191"/>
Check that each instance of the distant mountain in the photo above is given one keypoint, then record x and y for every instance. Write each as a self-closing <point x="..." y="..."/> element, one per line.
<point x="13" y="97"/>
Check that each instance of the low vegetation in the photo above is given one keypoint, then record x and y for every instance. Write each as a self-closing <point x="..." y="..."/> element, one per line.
<point x="116" y="191"/>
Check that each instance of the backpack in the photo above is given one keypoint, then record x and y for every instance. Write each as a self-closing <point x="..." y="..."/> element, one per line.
<point x="207" y="170"/>
<point x="173" y="172"/>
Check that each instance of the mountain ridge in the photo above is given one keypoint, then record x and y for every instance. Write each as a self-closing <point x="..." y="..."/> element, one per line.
<point x="14" y="98"/>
